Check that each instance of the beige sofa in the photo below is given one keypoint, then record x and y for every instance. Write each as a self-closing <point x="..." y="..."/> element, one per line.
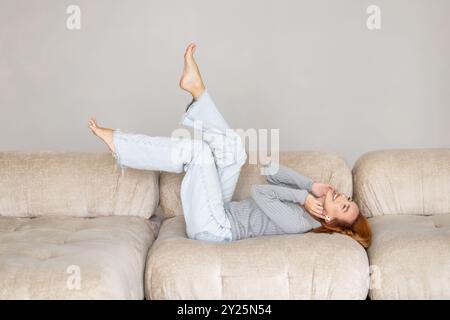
<point x="407" y="194"/>
<point x="73" y="227"/>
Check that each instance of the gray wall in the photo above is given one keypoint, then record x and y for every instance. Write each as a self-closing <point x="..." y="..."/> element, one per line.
<point x="310" y="68"/>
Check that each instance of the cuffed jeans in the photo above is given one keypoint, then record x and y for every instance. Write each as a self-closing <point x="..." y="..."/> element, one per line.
<point x="212" y="165"/>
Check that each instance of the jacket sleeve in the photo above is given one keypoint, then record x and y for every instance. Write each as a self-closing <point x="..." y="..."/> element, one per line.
<point x="274" y="202"/>
<point x="287" y="177"/>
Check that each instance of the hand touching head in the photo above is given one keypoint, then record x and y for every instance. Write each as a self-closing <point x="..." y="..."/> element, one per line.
<point x="341" y="214"/>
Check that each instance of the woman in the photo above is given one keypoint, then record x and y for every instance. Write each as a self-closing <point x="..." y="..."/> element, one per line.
<point x="290" y="203"/>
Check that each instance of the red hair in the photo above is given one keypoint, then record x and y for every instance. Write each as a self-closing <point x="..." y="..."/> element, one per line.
<point x="359" y="230"/>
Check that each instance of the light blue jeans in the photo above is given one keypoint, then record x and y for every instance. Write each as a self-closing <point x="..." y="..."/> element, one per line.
<point x="212" y="165"/>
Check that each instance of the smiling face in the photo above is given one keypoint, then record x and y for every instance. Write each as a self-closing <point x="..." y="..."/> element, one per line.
<point x="340" y="207"/>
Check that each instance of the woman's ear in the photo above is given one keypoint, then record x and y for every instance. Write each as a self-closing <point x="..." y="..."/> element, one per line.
<point x="327" y="218"/>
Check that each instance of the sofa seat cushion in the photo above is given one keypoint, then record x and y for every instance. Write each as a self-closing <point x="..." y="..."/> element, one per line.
<point x="302" y="266"/>
<point x="74" y="258"/>
<point x="412" y="257"/>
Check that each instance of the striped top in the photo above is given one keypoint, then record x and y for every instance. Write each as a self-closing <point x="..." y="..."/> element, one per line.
<point x="273" y="208"/>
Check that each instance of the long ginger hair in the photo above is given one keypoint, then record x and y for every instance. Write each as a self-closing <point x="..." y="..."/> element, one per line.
<point x="359" y="230"/>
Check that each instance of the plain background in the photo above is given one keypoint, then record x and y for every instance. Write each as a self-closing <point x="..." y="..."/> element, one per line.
<point x="309" y="68"/>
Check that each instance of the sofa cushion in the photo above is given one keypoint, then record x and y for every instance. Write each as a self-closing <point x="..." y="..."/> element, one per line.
<point x="403" y="182"/>
<point x="410" y="257"/>
<point x="74" y="258"/>
<point x="303" y="266"/>
<point x="73" y="184"/>
<point x="320" y="166"/>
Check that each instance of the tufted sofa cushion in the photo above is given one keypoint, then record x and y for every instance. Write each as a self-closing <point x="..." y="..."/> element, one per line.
<point x="320" y="166"/>
<point x="73" y="184"/>
<point x="411" y="255"/>
<point x="406" y="181"/>
<point x="308" y="266"/>
<point x="305" y="266"/>
<point x="41" y="258"/>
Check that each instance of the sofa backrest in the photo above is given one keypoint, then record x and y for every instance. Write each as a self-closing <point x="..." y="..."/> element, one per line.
<point x="415" y="181"/>
<point x="320" y="166"/>
<point x="73" y="184"/>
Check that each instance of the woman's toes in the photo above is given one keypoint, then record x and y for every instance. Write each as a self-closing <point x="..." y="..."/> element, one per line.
<point x="189" y="52"/>
<point x="93" y="122"/>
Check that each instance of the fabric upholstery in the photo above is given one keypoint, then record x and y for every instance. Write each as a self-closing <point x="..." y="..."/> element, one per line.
<point x="403" y="182"/>
<point x="319" y="166"/>
<point x="303" y="266"/>
<point x="410" y="257"/>
<point x="73" y="184"/>
<point x="37" y="257"/>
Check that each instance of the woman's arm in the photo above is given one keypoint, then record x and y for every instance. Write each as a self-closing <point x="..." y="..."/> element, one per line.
<point x="287" y="177"/>
<point x="284" y="176"/>
<point x="291" y="219"/>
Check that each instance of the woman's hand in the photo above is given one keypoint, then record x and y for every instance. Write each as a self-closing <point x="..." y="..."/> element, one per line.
<point x="320" y="189"/>
<point x="313" y="206"/>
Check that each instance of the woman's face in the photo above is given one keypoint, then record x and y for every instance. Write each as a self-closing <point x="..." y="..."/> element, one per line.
<point x="339" y="206"/>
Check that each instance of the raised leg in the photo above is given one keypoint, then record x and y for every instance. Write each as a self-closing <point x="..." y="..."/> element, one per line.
<point x="226" y="145"/>
<point x="201" y="194"/>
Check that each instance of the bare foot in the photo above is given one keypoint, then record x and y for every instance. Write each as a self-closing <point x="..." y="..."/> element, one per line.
<point x="105" y="134"/>
<point x="191" y="80"/>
